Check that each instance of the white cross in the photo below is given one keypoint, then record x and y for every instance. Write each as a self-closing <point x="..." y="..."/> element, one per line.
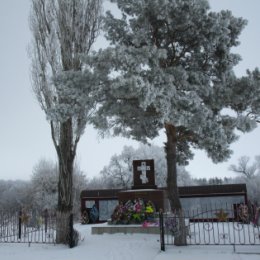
<point x="143" y="168"/>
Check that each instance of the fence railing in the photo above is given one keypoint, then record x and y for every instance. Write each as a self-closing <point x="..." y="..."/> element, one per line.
<point x="218" y="226"/>
<point x="30" y="226"/>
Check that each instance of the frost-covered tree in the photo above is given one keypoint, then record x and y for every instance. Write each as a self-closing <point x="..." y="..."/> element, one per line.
<point x="62" y="31"/>
<point x="170" y="66"/>
<point x="215" y="181"/>
<point x="119" y="172"/>
<point x="248" y="173"/>
<point x="246" y="95"/>
<point x="44" y="186"/>
<point x="243" y="168"/>
<point x="14" y="195"/>
<point x="183" y="177"/>
<point x="79" y="184"/>
<point x="97" y="182"/>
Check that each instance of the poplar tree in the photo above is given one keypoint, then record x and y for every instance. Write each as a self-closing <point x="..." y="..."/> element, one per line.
<point x="62" y="31"/>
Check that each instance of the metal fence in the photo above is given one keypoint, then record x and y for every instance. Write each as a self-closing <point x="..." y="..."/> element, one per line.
<point x="28" y="226"/>
<point x="218" y="226"/>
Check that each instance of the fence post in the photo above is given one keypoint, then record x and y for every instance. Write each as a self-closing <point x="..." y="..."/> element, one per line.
<point x="20" y="224"/>
<point x="71" y="232"/>
<point x="161" y="230"/>
<point x="45" y="215"/>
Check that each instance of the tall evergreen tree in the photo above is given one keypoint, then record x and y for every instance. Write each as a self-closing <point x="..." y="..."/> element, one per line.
<point x="170" y="65"/>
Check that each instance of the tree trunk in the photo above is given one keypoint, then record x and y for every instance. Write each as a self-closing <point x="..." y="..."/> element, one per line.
<point x="65" y="201"/>
<point x="172" y="188"/>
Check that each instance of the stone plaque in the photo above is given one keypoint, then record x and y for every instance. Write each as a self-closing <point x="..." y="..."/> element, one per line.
<point x="144" y="174"/>
<point x="106" y="208"/>
<point x="158" y="197"/>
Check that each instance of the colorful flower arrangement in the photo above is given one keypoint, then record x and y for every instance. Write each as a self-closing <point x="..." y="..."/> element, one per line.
<point x="133" y="212"/>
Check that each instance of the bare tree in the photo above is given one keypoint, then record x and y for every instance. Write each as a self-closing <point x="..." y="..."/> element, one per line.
<point x="250" y="174"/>
<point x="119" y="173"/>
<point x="63" y="30"/>
<point x="244" y="168"/>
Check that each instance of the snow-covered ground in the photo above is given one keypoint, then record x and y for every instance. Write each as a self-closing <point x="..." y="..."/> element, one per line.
<point x="123" y="247"/>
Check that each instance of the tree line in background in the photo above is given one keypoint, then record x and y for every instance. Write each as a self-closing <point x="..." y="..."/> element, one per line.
<point x="40" y="192"/>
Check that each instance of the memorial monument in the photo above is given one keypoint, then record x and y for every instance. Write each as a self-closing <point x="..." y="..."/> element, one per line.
<point x="144" y="189"/>
<point x="144" y="185"/>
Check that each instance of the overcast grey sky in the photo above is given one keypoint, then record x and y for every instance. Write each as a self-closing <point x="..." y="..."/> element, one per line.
<point x="25" y="134"/>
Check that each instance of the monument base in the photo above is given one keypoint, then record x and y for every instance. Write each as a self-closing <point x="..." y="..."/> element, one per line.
<point x="126" y="229"/>
<point x="158" y="197"/>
